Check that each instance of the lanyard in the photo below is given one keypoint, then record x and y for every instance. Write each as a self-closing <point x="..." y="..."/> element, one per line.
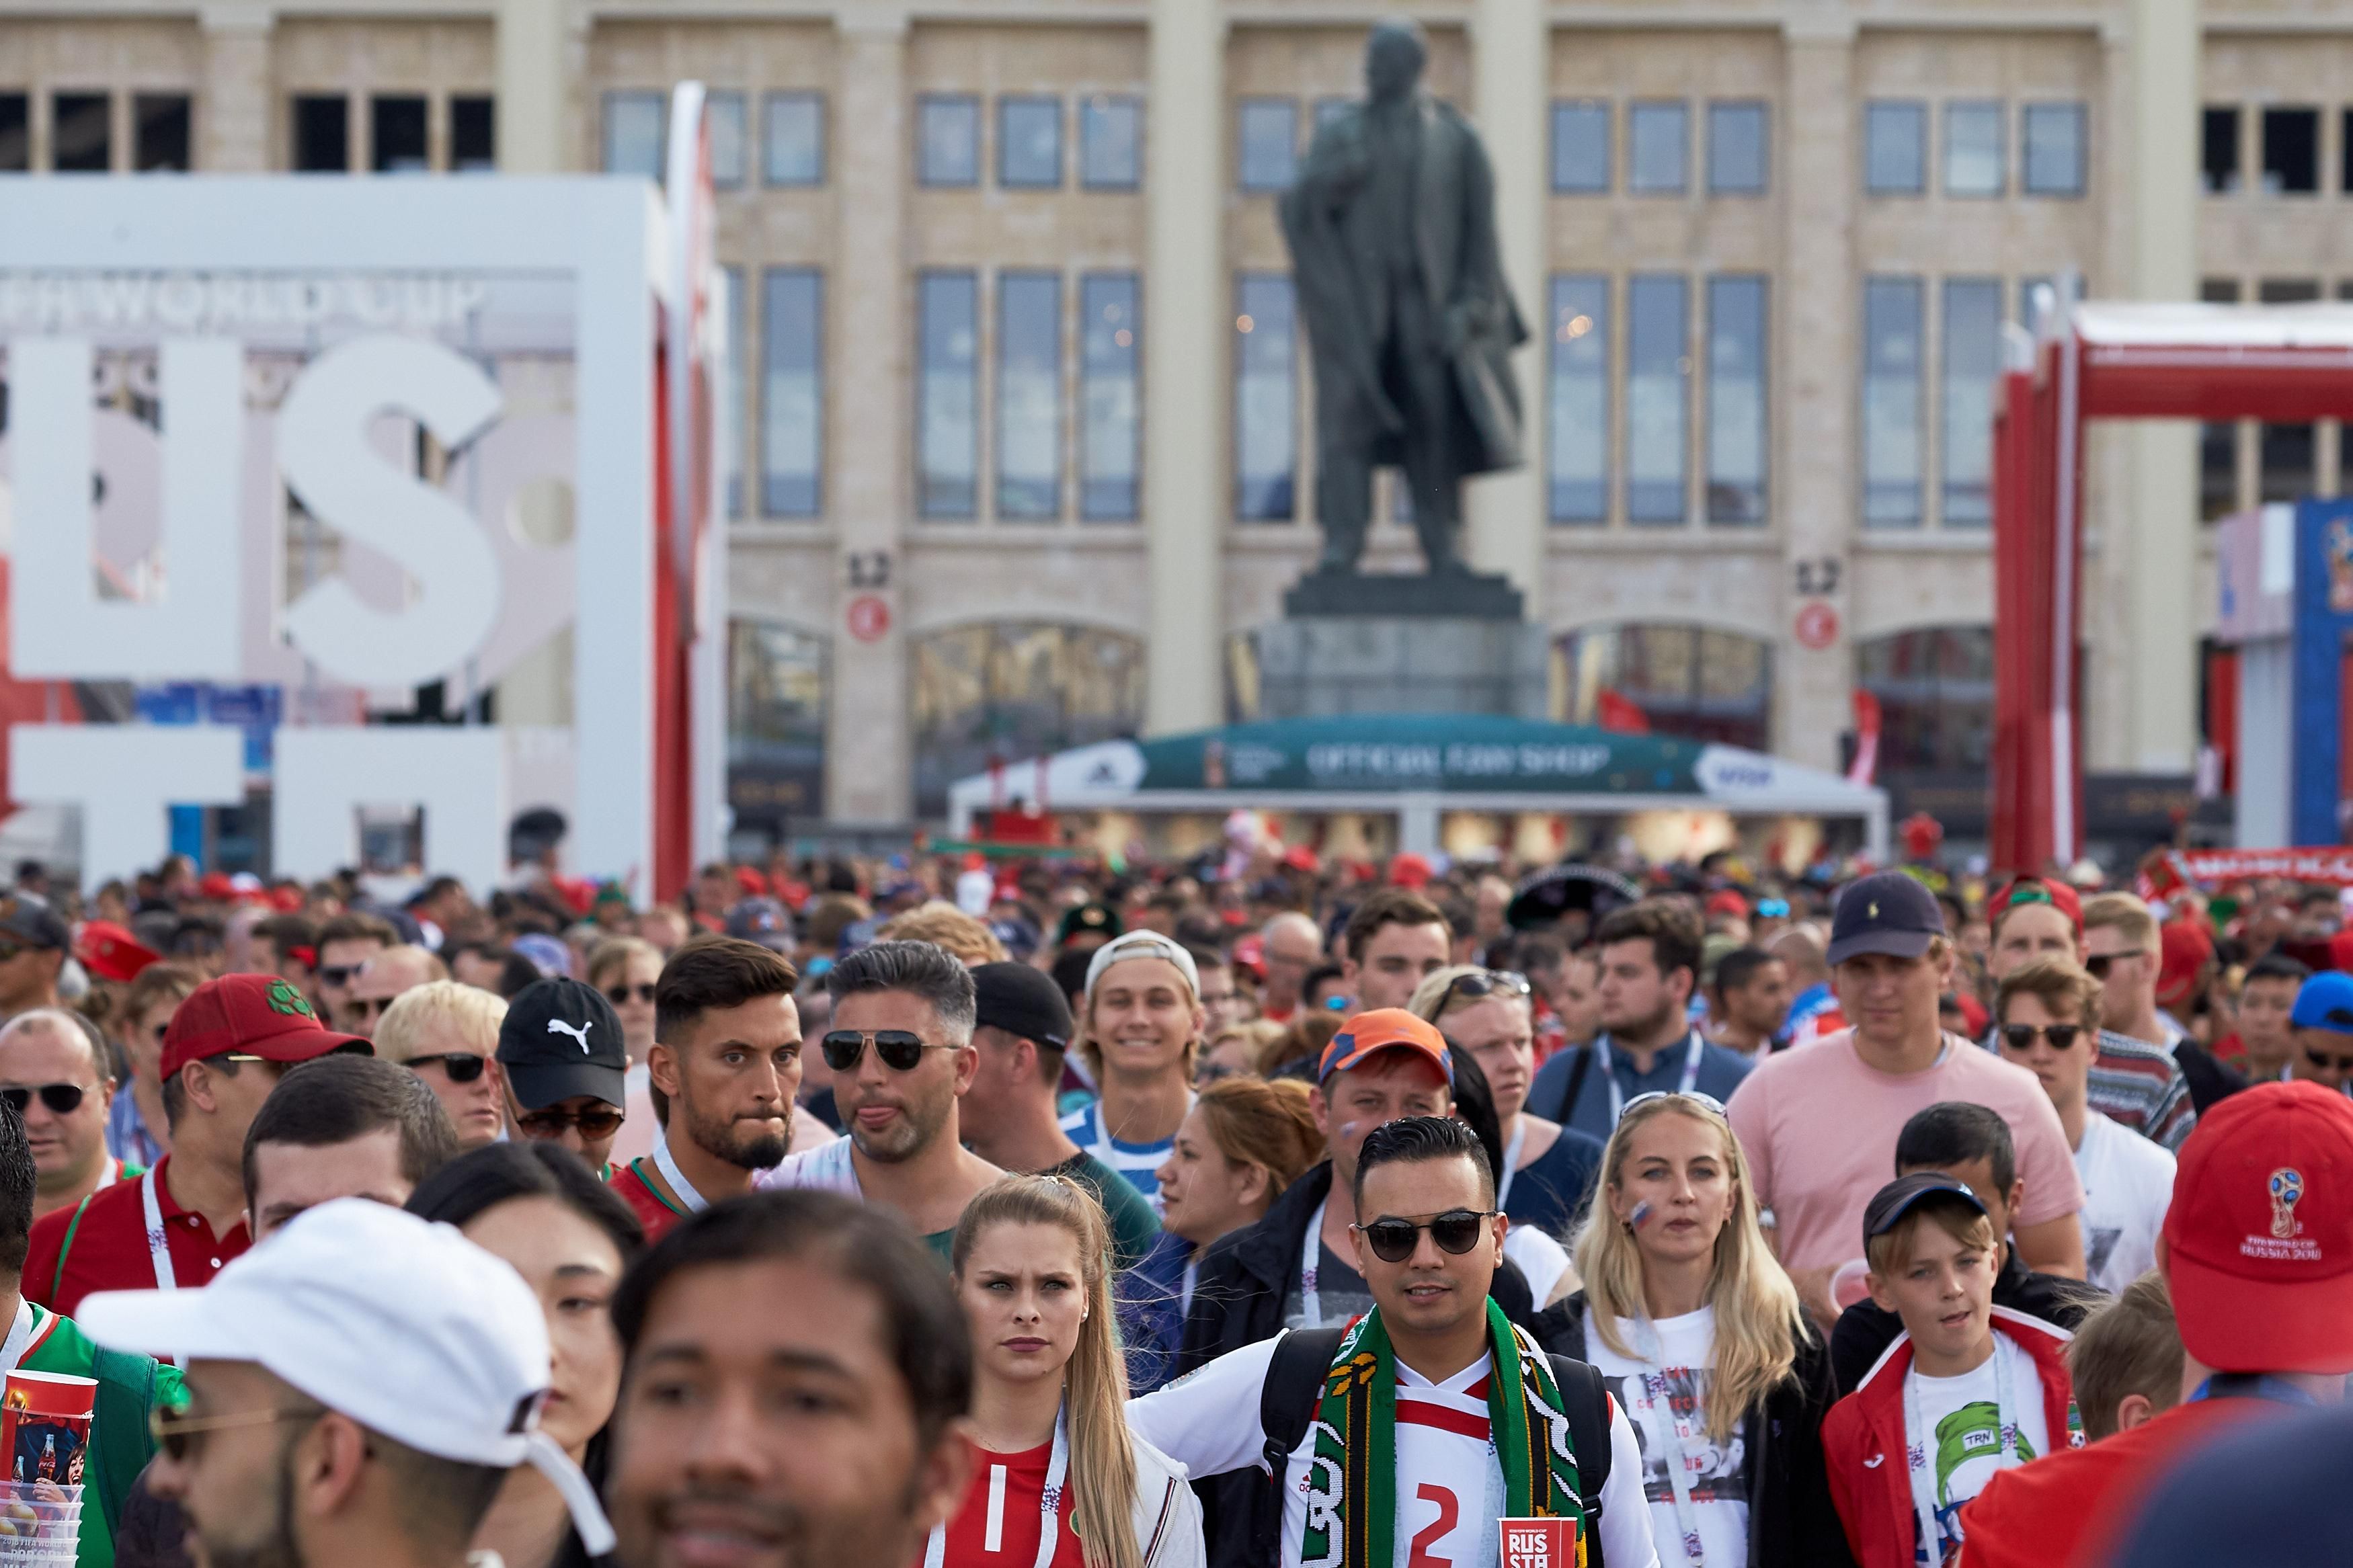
<point x="1049" y="1504"/>
<point x="1679" y="1439"/>
<point x="159" y="1248"/>
<point x="1512" y="1163"/>
<point x="1311" y="1302"/>
<point x="2007" y="1438"/>
<point x="678" y="1185"/>
<point x="1601" y="1059"/>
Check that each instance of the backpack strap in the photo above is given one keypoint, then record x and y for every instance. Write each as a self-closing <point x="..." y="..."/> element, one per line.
<point x="1287" y="1403"/>
<point x="1586" y="1401"/>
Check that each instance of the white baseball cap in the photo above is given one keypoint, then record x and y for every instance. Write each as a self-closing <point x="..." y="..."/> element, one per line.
<point x="1144" y="944"/>
<point x="403" y="1325"/>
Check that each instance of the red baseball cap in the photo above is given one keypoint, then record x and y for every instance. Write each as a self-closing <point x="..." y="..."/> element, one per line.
<point x="2185" y="948"/>
<point x="2259" y="1240"/>
<point x="2036" y="890"/>
<point x="1409" y="870"/>
<point x="254" y="1016"/>
<point x="111" y="953"/>
<point x="1391" y="1029"/>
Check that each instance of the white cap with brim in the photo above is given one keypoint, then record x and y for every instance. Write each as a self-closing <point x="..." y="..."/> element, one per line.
<point x="1144" y="944"/>
<point x="403" y="1325"/>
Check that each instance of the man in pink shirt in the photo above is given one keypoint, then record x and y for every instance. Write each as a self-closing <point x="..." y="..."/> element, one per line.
<point x="1819" y="1124"/>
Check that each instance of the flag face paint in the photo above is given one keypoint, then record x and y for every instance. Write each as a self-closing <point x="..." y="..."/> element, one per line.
<point x="1641" y="1211"/>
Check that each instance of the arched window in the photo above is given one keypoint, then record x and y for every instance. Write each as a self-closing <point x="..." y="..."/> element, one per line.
<point x="776" y="692"/>
<point x="1934" y="686"/>
<point x="1006" y="691"/>
<point x="1693" y="682"/>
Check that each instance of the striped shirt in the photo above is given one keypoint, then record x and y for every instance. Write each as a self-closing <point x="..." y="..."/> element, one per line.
<point x="2140" y="1086"/>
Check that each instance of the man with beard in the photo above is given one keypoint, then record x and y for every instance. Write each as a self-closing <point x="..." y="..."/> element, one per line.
<point x="829" y="1436"/>
<point x="902" y="1054"/>
<point x="726" y="1058"/>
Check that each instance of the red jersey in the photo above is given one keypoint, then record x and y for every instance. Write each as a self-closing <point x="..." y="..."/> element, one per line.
<point x="101" y="1244"/>
<point x="632" y="1186"/>
<point x="1004" y="1510"/>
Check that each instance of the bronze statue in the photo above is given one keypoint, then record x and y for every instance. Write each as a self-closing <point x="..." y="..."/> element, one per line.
<point x="1392" y="233"/>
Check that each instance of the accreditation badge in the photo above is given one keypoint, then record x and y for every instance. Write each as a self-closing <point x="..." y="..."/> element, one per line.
<point x="1539" y="1542"/>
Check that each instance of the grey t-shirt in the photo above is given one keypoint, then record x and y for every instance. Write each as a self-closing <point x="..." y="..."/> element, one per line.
<point x="1341" y="1291"/>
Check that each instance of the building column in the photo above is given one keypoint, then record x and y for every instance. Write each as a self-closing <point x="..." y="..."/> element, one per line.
<point x="1816" y="457"/>
<point x="1187" y="504"/>
<point x="869" y="758"/>
<point x="533" y="45"/>
<point x="2156" y="517"/>
<point x="1512" y="66"/>
<point x="233" y="95"/>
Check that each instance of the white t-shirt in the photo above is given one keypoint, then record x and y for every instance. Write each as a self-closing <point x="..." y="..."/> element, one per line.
<point x="1450" y="1490"/>
<point x="1962" y="1446"/>
<point x="2127" y="1185"/>
<point x="1653" y="1394"/>
<point x="826" y="1167"/>
<point x="1539" y="1258"/>
<point x="1139" y="1162"/>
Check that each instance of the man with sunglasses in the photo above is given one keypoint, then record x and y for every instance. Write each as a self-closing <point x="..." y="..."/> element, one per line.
<point x="2125" y="951"/>
<point x="383" y="979"/>
<point x="53" y="1074"/>
<point x="180" y="1222"/>
<point x="33" y="942"/>
<point x="561" y="1054"/>
<point x="2044" y="1021"/>
<point x="345" y="943"/>
<point x="901" y="1052"/>
<point x="2322" y="1023"/>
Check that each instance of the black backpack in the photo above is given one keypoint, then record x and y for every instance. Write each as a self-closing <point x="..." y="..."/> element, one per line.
<point x="1294" y="1389"/>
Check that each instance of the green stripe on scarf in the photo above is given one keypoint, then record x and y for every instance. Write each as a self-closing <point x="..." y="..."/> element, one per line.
<point x="1352" y="1481"/>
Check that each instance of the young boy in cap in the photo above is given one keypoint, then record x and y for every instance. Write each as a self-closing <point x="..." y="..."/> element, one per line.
<point x="1969" y="1390"/>
<point x="566" y="1068"/>
<point x="2322" y="1025"/>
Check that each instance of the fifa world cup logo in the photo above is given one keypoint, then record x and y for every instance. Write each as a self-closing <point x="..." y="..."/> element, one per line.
<point x="2287" y="1189"/>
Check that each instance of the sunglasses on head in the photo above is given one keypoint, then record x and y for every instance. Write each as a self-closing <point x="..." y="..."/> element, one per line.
<point x="1479" y="982"/>
<point x="618" y="995"/>
<point x="61" y="1099"/>
<point x="1704" y="1101"/>
<point x="2099" y="963"/>
<point x="2021" y="1037"/>
<point x="899" y="1050"/>
<point x="459" y="1067"/>
<point x="1456" y="1231"/>
<point x="597" y="1122"/>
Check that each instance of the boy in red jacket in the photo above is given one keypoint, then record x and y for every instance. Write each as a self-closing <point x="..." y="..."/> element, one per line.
<point x="1967" y="1391"/>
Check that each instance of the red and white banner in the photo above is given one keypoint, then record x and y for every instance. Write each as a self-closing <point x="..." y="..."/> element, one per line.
<point x="2329" y="866"/>
<point x="1865" y="766"/>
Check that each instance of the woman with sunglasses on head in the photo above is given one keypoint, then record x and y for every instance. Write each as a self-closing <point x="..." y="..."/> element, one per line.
<point x="1488" y="1016"/>
<point x="1700" y="1336"/>
<point x="626" y="968"/>
<point x="447" y="1035"/>
<point x="1244" y="1141"/>
<point x="1057" y="1478"/>
<point x="538" y="1208"/>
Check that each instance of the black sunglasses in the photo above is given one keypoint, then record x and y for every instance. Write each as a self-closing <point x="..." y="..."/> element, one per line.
<point x="2021" y="1037"/>
<point x="2099" y="962"/>
<point x="63" y="1098"/>
<point x="459" y="1067"/>
<point x="899" y="1048"/>
<point x="597" y="1122"/>
<point x="619" y="995"/>
<point x="1456" y="1231"/>
<point x="339" y="974"/>
<point x="2320" y="1059"/>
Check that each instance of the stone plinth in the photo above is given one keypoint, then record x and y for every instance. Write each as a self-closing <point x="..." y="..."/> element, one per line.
<point x="1317" y="665"/>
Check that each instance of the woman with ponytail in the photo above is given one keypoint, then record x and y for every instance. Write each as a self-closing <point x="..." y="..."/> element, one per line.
<point x="1699" y="1334"/>
<point x="1058" y="1479"/>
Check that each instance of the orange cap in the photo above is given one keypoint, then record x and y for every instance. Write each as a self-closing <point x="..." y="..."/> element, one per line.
<point x="1384" y="1029"/>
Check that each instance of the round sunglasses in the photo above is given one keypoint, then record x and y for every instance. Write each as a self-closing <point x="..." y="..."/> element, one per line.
<point x="1456" y="1231"/>
<point x="2021" y="1037"/>
<point x="618" y="995"/>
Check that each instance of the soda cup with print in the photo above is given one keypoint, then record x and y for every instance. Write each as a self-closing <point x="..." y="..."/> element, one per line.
<point x="45" y="1428"/>
<point x="1538" y="1543"/>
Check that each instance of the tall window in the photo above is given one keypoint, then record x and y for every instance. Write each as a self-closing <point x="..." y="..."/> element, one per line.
<point x="1579" y="453"/>
<point x="1268" y="146"/>
<point x="1934" y="688"/>
<point x="1266" y="433"/>
<point x="2218" y="439"/>
<point x="948" y="413"/>
<point x="1976" y="152"/>
<point x="1694" y="682"/>
<point x="1892" y="373"/>
<point x="729" y="130"/>
<point x="2290" y="453"/>
<point x="775" y="723"/>
<point x="792" y="393"/>
<point x="1972" y="368"/>
<point x="1737" y="149"/>
<point x="1110" y="143"/>
<point x="1004" y="690"/>
<point x="1894" y="147"/>
<point x="1658" y="412"/>
<point x="1029" y="142"/>
<point x="731" y="396"/>
<point x="16" y="133"/>
<point x="473" y="136"/>
<point x="2054" y="150"/>
<point x="2291" y="151"/>
<point x="1658" y="147"/>
<point x="1030" y="396"/>
<point x="396" y="135"/>
<point x="160" y="124"/>
<point x="791" y="139"/>
<point x="322" y="124"/>
<point x="1738" y="428"/>
<point x="2218" y="159"/>
<point x="81" y="132"/>
<point x="633" y="133"/>
<point x="1580" y="147"/>
<point x="1109" y="397"/>
<point x="947" y="139"/>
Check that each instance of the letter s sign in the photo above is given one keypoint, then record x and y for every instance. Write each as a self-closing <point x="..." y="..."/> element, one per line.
<point x="324" y="452"/>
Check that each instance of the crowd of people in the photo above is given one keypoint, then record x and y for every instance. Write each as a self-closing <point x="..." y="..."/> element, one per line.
<point x="1279" y="1213"/>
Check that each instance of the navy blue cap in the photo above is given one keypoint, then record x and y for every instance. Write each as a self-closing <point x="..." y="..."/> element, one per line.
<point x="1902" y="1196"/>
<point x="2325" y="1002"/>
<point x="1887" y="912"/>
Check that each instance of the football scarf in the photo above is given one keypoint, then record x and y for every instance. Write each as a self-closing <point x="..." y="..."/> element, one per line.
<point x="1352" y="1481"/>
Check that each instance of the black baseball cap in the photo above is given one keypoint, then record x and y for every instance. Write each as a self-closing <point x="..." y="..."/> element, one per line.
<point x="30" y="922"/>
<point x="561" y="1038"/>
<point x="1902" y="1196"/>
<point x="1021" y="1001"/>
<point x="1885" y="912"/>
<point x="1091" y="920"/>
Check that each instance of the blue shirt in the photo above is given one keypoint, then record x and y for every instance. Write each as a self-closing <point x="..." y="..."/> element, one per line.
<point x="1720" y="1072"/>
<point x="127" y="1138"/>
<point x="1551" y="1191"/>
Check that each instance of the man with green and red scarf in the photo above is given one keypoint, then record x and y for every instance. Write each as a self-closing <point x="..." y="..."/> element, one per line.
<point x="1424" y="1424"/>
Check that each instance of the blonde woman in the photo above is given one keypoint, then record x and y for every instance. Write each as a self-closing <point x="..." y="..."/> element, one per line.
<point x="1701" y="1337"/>
<point x="447" y="1035"/>
<point x="1050" y="1399"/>
<point x="626" y="968"/>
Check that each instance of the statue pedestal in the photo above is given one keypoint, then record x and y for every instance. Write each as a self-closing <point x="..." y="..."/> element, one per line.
<point x="1311" y="666"/>
<point x="1456" y="594"/>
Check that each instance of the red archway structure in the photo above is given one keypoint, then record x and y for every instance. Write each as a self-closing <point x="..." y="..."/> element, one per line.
<point x="2286" y="363"/>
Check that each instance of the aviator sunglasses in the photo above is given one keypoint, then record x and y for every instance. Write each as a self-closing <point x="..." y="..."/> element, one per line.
<point x="1456" y="1231"/>
<point x="899" y="1050"/>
